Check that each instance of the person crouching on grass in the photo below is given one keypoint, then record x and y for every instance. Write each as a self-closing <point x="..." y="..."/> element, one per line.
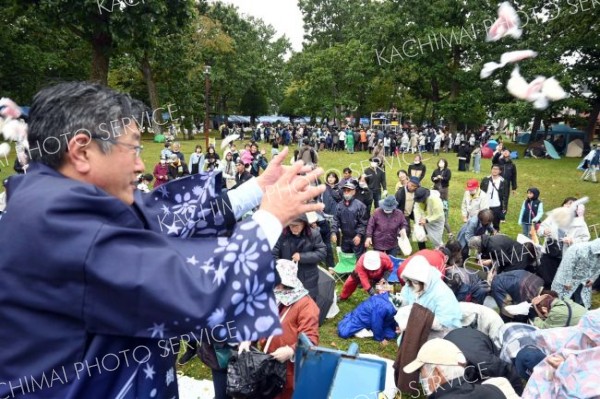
<point x="372" y="268"/>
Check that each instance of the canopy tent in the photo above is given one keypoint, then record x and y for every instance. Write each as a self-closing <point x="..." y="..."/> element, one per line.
<point x="275" y="119"/>
<point x="524" y="139"/>
<point x="575" y="149"/>
<point x="560" y="135"/>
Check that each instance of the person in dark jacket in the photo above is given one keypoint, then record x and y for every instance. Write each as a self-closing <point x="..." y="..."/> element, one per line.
<point x="241" y="174"/>
<point x="332" y="194"/>
<point x="349" y="218"/>
<point x="512" y="288"/>
<point x="375" y="178"/>
<point x="509" y="172"/>
<point x="405" y="196"/>
<point x="494" y="186"/>
<point x="304" y="245"/>
<point x="475" y="226"/>
<point x="441" y="178"/>
<point x="385" y="226"/>
<point x="364" y="195"/>
<point x="464" y="153"/>
<point x="443" y="374"/>
<point x="177" y="168"/>
<point x="417" y="169"/>
<point x="481" y="353"/>
<point x="532" y="211"/>
<point x="503" y="252"/>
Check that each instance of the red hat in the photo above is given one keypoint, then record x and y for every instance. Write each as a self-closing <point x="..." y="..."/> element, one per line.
<point x="472" y="184"/>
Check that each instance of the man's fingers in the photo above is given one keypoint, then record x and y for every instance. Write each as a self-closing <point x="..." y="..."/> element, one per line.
<point x="279" y="158"/>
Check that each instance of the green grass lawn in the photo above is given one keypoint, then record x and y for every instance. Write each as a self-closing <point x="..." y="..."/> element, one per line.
<point x="556" y="179"/>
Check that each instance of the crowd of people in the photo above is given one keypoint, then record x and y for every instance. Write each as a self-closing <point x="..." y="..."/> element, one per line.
<point x="532" y="280"/>
<point x="478" y="313"/>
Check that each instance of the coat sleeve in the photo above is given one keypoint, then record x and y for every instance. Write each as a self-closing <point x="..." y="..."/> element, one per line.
<point x="437" y="211"/>
<point x="362" y="274"/>
<point x="308" y="321"/>
<point x="165" y="286"/>
<point x="521" y="213"/>
<point x="540" y="213"/>
<point x="361" y="225"/>
<point x="371" y="226"/>
<point x="318" y="252"/>
<point x="335" y="221"/>
<point x="277" y="249"/>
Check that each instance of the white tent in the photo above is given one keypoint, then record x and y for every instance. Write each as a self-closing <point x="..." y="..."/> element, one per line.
<point x="575" y="149"/>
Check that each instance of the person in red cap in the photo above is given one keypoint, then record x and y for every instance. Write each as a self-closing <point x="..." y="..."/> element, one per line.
<point x="473" y="201"/>
<point x="372" y="268"/>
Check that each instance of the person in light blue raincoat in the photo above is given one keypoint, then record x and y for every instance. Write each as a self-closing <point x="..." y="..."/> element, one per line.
<point x="425" y="287"/>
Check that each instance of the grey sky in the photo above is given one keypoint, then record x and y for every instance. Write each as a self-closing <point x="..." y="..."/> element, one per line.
<point x="283" y="15"/>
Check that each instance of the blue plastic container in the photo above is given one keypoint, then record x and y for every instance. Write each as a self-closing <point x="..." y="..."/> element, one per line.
<point x="323" y="373"/>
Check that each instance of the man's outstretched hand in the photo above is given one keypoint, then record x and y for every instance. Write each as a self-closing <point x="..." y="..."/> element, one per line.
<point x="288" y="195"/>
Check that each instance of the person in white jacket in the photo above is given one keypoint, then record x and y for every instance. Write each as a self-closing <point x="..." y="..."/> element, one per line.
<point x="473" y="200"/>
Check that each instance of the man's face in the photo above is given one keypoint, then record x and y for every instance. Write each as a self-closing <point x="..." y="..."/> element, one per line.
<point x="411" y="187"/>
<point x="506" y="154"/>
<point x="347" y="175"/>
<point x="116" y="172"/>
<point x="239" y="167"/>
<point x="495" y="171"/>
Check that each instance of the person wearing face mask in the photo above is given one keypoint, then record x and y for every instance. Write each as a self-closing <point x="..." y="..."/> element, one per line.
<point x="384" y="227"/>
<point x="364" y="195"/>
<point x="375" y="178"/>
<point x="298" y="313"/>
<point x="349" y="218"/>
<point x="445" y="373"/>
<point x="161" y="173"/>
<point x="473" y="200"/>
<point x="496" y="190"/>
<point x="417" y="169"/>
<point x="177" y="168"/>
<point x="424" y="285"/>
<point x="197" y="160"/>
<point x="302" y="244"/>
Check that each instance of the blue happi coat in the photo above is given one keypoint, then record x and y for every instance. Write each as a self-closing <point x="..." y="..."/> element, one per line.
<point x="95" y="295"/>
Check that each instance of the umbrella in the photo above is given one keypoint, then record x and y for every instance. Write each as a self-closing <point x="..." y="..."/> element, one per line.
<point x="229" y="139"/>
<point x="487" y="152"/>
<point x="326" y="295"/>
<point x="551" y="150"/>
<point x="492" y="144"/>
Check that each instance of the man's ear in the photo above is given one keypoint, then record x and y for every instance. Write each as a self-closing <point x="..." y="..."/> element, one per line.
<point x="78" y="153"/>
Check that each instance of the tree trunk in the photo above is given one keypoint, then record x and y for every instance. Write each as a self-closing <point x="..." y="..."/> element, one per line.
<point x="454" y="85"/>
<point x="101" y="49"/>
<point x="157" y="120"/>
<point x="537" y="122"/>
<point x="424" y="112"/>
<point x="592" y="120"/>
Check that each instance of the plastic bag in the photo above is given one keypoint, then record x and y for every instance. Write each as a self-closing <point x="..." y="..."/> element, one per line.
<point x="255" y="375"/>
<point x="404" y="244"/>
<point x="419" y="233"/>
